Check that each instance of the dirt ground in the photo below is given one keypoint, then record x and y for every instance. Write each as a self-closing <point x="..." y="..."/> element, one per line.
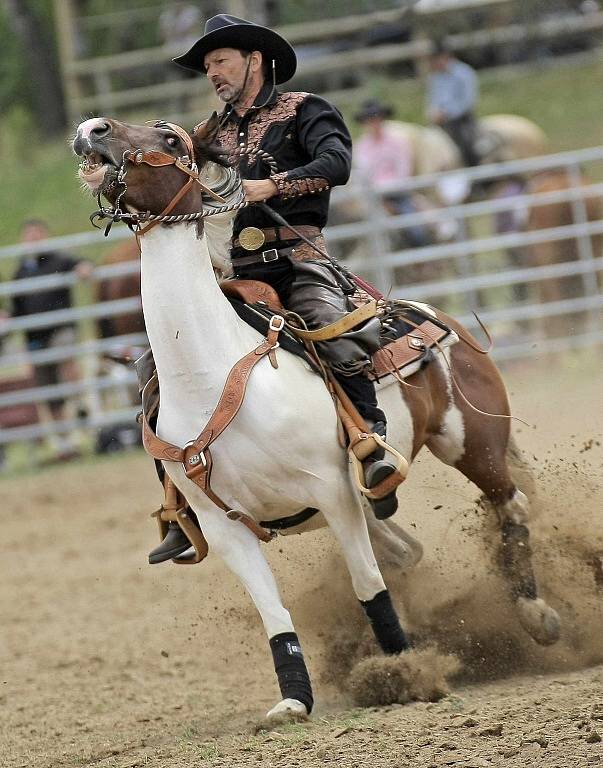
<point x="108" y="662"/>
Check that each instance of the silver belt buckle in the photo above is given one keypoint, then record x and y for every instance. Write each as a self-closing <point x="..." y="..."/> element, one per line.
<point x="271" y="255"/>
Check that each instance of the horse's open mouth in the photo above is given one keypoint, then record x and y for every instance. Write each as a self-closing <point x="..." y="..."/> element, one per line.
<point x="97" y="171"/>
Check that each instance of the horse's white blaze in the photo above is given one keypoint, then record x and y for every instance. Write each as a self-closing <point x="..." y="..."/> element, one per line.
<point x="449" y="444"/>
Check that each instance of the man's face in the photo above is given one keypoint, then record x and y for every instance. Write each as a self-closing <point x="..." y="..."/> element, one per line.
<point x="226" y="70"/>
<point x="374" y="125"/>
<point x="32" y="233"/>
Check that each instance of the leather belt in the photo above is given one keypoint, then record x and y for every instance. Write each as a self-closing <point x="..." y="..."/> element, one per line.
<point x="264" y="256"/>
<point x="272" y="234"/>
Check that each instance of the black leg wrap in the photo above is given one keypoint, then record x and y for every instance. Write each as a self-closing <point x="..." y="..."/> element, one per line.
<point x="385" y="623"/>
<point x="291" y="670"/>
<point x="517" y="560"/>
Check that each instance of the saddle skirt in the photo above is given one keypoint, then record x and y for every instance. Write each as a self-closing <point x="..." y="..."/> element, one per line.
<point x="409" y="330"/>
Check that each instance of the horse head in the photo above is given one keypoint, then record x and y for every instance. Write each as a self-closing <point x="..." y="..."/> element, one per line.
<point x="145" y="167"/>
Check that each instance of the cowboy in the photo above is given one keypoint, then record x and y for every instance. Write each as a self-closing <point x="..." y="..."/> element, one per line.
<point x="452" y="92"/>
<point x="308" y="139"/>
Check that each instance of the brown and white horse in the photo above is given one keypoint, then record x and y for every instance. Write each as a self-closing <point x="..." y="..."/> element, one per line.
<point x="281" y="453"/>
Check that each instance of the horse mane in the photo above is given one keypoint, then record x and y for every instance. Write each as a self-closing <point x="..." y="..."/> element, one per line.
<point x="204" y="142"/>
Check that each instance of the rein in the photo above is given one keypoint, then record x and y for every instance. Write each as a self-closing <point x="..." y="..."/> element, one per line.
<point x="187" y="164"/>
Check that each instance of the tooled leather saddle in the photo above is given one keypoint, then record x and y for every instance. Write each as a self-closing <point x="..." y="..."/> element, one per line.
<point x="409" y="330"/>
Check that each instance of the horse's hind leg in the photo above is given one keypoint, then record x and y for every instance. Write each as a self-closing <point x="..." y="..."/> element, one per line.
<point x="477" y="446"/>
<point x="392" y="544"/>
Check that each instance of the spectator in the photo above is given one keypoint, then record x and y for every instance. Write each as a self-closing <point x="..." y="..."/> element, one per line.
<point x="38" y="264"/>
<point x="383" y="155"/>
<point x="452" y="92"/>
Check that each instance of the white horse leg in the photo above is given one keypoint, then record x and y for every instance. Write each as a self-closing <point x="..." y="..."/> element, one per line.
<point x="241" y="551"/>
<point x="348" y="524"/>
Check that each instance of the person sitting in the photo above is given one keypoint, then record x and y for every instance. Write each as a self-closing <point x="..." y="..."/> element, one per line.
<point x="452" y="93"/>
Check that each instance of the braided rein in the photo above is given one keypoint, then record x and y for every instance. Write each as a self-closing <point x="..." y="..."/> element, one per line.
<point x="212" y="209"/>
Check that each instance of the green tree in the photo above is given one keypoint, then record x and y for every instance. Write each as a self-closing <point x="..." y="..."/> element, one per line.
<point x="29" y="67"/>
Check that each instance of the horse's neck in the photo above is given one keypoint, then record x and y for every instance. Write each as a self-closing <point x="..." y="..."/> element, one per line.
<point x="218" y="229"/>
<point x="194" y="333"/>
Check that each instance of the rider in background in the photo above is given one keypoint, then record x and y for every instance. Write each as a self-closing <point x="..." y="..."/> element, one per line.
<point x="452" y="93"/>
<point x="384" y="156"/>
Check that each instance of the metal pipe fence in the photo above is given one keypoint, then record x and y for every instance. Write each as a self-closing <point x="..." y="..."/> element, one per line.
<point x="477" y="270"/>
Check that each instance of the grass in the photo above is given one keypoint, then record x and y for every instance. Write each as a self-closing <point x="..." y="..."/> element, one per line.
<point x="39" y="178"/>
<point x="563" y="97"/>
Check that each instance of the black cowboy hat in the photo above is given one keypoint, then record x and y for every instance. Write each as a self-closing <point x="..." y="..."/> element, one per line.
<point x="224" y="31"/>
<point x="373" y="108"/>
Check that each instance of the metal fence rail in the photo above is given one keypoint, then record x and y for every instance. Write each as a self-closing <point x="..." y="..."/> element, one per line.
<point x="474" y="272"/>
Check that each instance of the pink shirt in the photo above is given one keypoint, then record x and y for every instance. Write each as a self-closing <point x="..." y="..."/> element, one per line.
<point x="386" y="160"/>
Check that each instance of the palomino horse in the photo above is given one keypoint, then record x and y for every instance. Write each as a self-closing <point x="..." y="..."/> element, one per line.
<point x="500" y="138"/>
<point x="281" y="453"/>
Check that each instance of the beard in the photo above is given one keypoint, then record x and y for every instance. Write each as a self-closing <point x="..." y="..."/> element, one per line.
<point x="228" y="93"/>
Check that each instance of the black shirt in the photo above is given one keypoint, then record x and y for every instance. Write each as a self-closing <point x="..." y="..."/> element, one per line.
<point x="310" y="143"/>
<point x="49" y="263"/>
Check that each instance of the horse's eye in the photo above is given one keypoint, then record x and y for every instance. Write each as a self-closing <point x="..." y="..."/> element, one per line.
<point x="171" y="141"/>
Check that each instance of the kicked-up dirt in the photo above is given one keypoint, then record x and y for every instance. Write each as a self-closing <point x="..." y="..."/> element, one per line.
<point x="106" y="661"/>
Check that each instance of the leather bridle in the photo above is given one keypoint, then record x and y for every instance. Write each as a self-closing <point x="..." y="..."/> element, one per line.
<point x="157" y="159"/>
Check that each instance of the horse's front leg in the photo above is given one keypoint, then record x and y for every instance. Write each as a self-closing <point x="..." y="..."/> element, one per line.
<point x="241" y="551"/>
<point x="346" y="519"/>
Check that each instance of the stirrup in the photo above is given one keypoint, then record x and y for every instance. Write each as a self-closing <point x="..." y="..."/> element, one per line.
<point x="377" y="472"/>
<point x="388" y="484"/>
<point x="174" y="509"/>
<point x="189" y="529"/>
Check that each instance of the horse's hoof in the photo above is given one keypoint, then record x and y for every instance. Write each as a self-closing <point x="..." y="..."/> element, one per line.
<point x="287" y="711"/>
<point x="539" y="620"/>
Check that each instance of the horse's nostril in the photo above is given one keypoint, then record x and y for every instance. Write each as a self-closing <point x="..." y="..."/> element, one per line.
<point x="101" y="129"/>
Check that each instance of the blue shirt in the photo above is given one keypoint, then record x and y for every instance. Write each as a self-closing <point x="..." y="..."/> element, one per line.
<point x="454" y="91"/>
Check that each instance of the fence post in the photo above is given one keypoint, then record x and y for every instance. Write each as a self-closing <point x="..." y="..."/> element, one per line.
<point x="379" y="244"/>
<point x="583" y="239"/>
<point x="466" y="267"/>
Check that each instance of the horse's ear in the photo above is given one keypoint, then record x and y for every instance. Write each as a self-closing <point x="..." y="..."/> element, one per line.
<point x="207" y="131"/>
